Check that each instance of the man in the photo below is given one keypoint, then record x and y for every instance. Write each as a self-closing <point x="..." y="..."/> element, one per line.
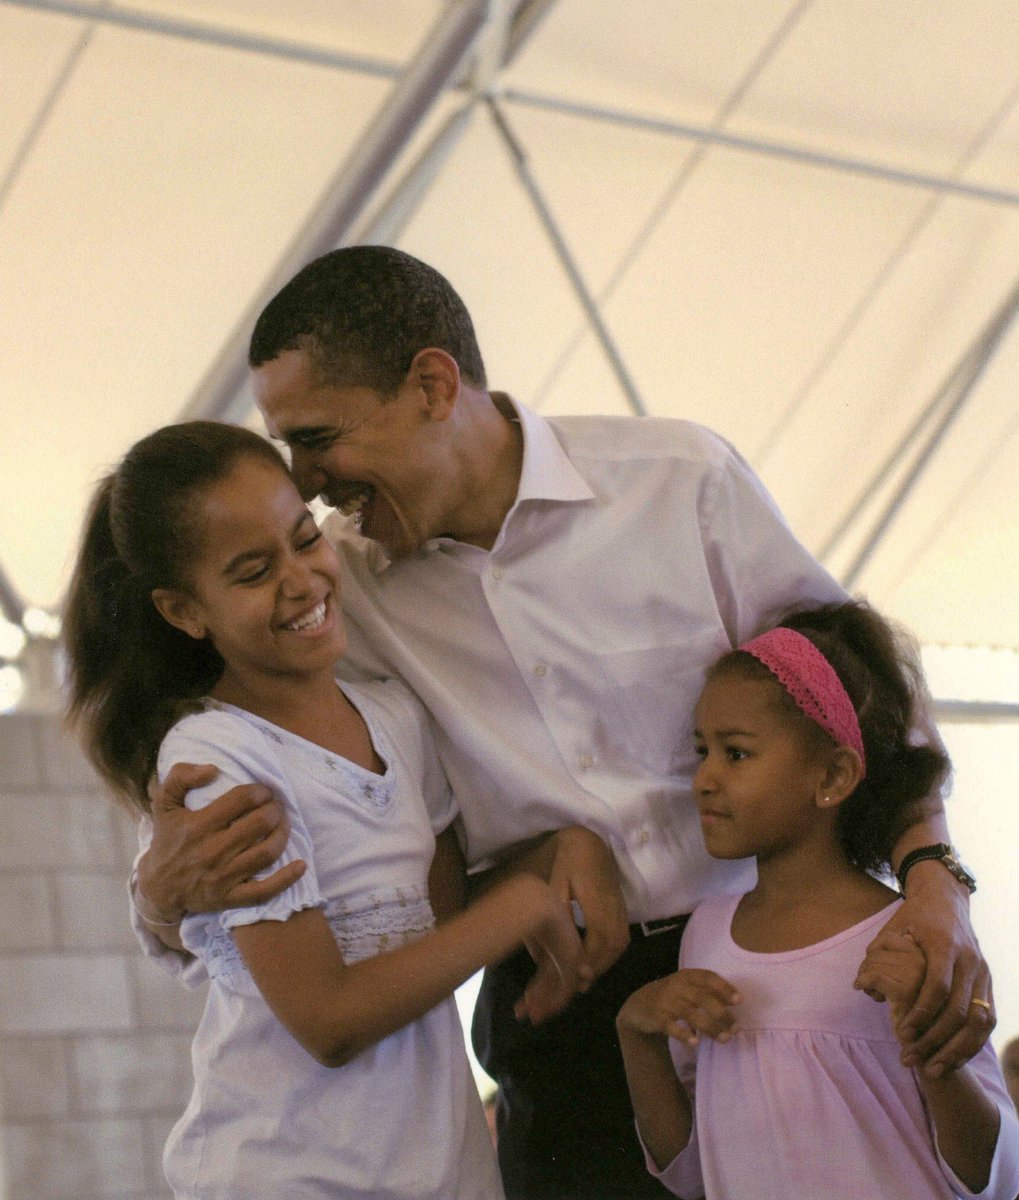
<point x="553" y="591"/>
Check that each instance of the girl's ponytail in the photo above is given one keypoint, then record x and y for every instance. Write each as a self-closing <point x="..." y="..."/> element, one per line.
<point x="131" y="674"/>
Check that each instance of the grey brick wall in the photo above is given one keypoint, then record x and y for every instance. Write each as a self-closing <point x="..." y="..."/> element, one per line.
<point x="94" y="1063"/>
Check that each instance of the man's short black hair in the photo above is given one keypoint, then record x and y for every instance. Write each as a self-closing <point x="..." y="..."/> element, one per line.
<point x="362" y="313"/>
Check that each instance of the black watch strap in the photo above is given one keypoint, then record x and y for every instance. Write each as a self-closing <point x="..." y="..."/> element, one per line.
<point x="941" y="852"/>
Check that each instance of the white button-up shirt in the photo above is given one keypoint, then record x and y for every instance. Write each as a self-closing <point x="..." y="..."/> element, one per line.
<point x="562" y="666"/>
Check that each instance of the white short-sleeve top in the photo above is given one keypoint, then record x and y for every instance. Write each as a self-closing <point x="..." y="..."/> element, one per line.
<point x="265" y="1119"/>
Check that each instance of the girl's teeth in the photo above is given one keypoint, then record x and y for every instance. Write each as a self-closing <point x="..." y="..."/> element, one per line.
<point x="315" y="617"/>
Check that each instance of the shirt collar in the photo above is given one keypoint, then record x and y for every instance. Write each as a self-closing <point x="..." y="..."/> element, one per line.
<point x="546" y="473"/>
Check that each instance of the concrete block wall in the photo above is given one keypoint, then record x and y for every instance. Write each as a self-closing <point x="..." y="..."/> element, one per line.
<point x="94" y="1039"/>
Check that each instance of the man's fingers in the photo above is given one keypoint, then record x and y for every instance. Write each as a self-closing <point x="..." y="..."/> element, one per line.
<point x="604" y="942"/>
<point x="939" y="1012"/>
<point x="961" y="1028"/>
<point x="231" y="810"/>
<point x="258" y="891"/>
<point x="183" y="778"/>
<point x="236" y="867"/>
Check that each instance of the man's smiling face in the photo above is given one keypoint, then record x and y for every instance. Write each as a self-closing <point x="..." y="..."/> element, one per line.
<point x="358" y="450"/>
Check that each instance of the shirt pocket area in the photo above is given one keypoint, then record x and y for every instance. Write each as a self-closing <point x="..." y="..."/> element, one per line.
<point x="649" y="698"/>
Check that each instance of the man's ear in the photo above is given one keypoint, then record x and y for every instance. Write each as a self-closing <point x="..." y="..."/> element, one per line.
<point x="841" y="778"/>
<point x="179" y="610"/>
<point x="437" y="375"/>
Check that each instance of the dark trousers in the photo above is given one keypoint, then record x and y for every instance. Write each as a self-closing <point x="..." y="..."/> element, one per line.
<point x="564" y="1118"/>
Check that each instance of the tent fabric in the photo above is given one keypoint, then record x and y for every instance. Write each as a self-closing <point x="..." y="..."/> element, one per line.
<point x="796" y="221"/>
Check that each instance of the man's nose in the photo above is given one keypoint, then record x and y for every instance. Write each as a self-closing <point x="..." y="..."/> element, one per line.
<point x="307" y="473"/>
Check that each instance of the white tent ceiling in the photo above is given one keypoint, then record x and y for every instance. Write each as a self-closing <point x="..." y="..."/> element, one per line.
<point x="794" y="220"/>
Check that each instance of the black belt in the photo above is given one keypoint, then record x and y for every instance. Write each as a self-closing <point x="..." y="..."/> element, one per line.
<point x="662" y="925"/>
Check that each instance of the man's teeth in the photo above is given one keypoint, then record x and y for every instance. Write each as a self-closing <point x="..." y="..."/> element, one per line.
<point x="354" y="502"/>
<point x="315" y="617"/>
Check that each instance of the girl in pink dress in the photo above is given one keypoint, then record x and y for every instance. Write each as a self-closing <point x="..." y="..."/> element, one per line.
<point x="806" y="764"/>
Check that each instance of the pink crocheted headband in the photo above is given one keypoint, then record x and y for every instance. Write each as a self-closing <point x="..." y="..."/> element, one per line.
<point x="811" y="680"/>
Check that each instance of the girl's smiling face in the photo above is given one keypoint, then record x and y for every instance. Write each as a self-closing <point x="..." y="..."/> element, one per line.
<point x="761" y="769"/>
<point x="264" y="583"/>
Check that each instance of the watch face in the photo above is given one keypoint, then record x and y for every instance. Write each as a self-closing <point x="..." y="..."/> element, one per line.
<point x="959" y="871"/>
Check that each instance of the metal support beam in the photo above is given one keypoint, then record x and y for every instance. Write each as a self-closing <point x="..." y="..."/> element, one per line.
<point x="12" y="604"/>
<point x="951" y="399"/>
<point x="974" y="712"/>
<point x="214" y="35"/>
<point x="530" y="13"/>
<point x="567" y="261"/>
<point x="432" y="70"/>
<point x="711" y="136"/>
<point x="386" y="224"/>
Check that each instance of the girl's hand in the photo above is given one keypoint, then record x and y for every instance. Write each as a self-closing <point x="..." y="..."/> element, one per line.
<point x="684" y="1006"/>
<point x="896" y="966"/>
<point x="561" y="972"/>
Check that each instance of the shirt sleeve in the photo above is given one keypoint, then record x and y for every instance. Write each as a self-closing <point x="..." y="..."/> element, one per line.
<point x="759" y="569"/>
<point x="244" y="753"/>
<point x="682" y="1176"/>
<point x="1004" y="1181"/>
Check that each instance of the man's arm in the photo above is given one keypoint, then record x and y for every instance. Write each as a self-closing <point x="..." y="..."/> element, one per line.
<point x="579" y="867"/>
<point x="205" y="861"/>
<point x="943" y="1029"/>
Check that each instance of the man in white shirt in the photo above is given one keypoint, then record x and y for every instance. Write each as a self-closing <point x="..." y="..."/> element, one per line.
<point x="552" y="590"/>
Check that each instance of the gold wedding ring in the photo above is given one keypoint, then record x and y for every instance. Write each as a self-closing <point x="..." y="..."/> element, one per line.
<point x="984" y="1004"/>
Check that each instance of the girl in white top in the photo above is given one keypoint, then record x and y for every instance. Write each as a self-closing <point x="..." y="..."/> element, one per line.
<point x="203" y="624"/>
<point x="800" y="1087"/>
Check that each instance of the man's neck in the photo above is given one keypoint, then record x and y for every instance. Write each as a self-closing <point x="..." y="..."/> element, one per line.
<point x="495" y="457"/>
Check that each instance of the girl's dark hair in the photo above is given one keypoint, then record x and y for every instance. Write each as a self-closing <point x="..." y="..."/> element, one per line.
<point x="880" y="670"/>
<point x="132" y="674"/>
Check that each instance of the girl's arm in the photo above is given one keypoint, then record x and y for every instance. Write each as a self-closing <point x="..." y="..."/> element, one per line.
<point x="337" y="1011"/>
<point x="447" y="877"/>
<point x="683" y="1006"/>
<point x="965" y="1117"/>
<point x="966" y="1121"/>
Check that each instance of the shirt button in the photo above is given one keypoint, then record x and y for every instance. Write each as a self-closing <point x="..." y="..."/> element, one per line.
<point x="586" y="761"/>
<point x="541" y="669"/>
<point x="644" y="838"/>
<point x="497" y="572"/>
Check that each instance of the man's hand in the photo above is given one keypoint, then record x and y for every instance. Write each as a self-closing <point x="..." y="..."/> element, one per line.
<point x="557" y="950"/>
<point x="941" y="1027"/>
<point x="204" y="861"/>
<point x="584" y="869"/>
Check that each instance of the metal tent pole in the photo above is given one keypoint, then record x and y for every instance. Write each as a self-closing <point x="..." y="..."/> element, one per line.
<point x="568" y="263"/>
<point x="430" y="72"/>
<point x="954" y="395"/>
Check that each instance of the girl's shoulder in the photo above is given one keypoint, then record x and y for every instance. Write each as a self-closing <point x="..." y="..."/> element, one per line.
<point x="224" y="736"/>
<point x="390" y="697"/>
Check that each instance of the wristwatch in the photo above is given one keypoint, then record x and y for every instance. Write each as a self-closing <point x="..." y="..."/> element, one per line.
<point x="944" y="854"/>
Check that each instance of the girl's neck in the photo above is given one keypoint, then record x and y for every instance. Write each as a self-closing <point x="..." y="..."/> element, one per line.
<point x="801" y="900"/>
<point x="311" y="706"/>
